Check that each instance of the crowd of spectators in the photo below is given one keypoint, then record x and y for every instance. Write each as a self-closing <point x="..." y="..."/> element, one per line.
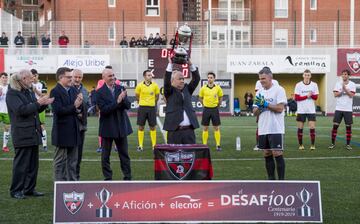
<point x="32" y="41"/>
<point x="143" y="42"/>
<point x="63" y="41"/>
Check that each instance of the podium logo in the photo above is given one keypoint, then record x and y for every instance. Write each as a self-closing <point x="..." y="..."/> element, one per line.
<point x="104" y="211"/>
<point x="179" y="163"/>
<point x="73" y="201"/>
<point x="305" y="210"/>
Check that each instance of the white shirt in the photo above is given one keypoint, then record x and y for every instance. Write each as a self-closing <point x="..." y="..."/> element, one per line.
<point x="306" y="106"/>
<point x="344" y="102"/>
<point x="269" y="121"/>
<point x="3" y="107"/>
<point x="39" y="87"/>
<point x="259" y="86"/>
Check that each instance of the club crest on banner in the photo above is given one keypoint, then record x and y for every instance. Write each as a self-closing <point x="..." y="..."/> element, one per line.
<point x="353" y="60"/>
<point x="180" y="163"/>
<point x="73" y="201"/>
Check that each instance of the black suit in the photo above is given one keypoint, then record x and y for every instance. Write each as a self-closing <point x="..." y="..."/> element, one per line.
<point x="178" y="101"/>
<point x="26" y="136"/>
<point x="65" y="133"/>
<point x="114" y="126"/>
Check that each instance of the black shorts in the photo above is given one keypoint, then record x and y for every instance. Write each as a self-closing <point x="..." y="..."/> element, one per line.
<point x="146" y="113"/>
<point x="302" y="117"/>
<point x="347" y="115"/>
<point x="210" y="114"/>
<point x="271" y="142"/>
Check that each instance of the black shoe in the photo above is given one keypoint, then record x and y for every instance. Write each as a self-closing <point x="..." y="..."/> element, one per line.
<point x="17" y="195"/>
<point x="35" y="194"/>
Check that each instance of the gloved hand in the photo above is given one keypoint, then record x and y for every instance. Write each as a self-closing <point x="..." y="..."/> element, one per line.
<point x="261" y="102"/>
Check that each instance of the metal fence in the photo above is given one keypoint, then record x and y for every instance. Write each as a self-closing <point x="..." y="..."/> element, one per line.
<point x="218" y="33"/>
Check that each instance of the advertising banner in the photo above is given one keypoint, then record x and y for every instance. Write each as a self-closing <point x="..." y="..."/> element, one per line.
<point x="86" y="63"/>
<point x="187" y="201"/>
<point x="349" y="59"/>
<point x="223" y="83"/>
<point x="224" y="106"/>
<point x="182" y="162"/>
<point x="42" y="63"/>
<point x="198" y="107"/>
<point x="129" y="83"/>
<point x="158" y="60"/>
<point x="278" y="63"/>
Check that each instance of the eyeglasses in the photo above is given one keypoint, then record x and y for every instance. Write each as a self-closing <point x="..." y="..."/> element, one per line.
<point x="68" y="76"/>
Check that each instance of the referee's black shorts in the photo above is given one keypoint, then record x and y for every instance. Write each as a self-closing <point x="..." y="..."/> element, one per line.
<point x="347" y="115"/>
<point x="146" y="113"/>
<point x="210" y="114"/>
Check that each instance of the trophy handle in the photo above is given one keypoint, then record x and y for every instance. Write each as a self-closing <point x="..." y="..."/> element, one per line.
<point x="190" y="44"/>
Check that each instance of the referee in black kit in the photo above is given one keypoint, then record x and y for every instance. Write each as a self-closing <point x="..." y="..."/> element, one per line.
<point x="180" y="119"/>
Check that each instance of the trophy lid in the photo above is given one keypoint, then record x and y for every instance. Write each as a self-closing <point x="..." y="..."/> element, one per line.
<point x="184" y="30"/>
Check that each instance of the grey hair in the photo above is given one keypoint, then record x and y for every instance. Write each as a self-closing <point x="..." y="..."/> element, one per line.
<point x="266" y="71"/>
<point x="16" y="77"/>
<point x="173" y="74"/>
<point x="78" y="71"/>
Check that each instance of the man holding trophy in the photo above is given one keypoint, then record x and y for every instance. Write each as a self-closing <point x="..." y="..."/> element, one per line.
<point x="180" y="118"/>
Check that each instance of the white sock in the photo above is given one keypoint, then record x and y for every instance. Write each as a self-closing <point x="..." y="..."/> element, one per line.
<point x="44" y="138"/>
<point x="6" y="138"/>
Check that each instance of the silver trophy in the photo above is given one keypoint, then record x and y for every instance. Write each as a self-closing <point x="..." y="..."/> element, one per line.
<point x="181" y="49"/>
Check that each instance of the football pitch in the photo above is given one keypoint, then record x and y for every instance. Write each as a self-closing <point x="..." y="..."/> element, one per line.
<point x="337" y="170"/>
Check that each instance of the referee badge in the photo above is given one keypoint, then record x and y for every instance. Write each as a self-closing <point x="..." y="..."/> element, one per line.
<point x="180" y="163"/>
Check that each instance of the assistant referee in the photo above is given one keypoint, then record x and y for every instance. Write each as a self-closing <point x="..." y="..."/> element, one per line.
<point x="211" y="96"/>
<point x="147" y="94"/>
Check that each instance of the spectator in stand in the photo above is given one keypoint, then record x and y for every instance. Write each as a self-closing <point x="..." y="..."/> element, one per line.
<point x="124" y="43"/>
<point x="151" y="40"/>
<point x="19" y="40"/>
<point x="132" y="42"/>
<point x="33" y="41"/>
<point x="4" y="40"/>
<point x="139" y="42"/>
<point x="63" y="40"/>
<point x="164" y="39"/>
<point x="45" y="40"/>
<point x="87" y="44"/>
<point x="145" y="42"/>
<point x="157" y="39"/>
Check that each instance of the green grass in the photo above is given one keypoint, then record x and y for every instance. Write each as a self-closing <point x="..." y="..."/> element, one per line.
<point x="339" y="177"/>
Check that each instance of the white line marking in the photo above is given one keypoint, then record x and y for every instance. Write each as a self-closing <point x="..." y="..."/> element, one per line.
<point x="158" y="121"/>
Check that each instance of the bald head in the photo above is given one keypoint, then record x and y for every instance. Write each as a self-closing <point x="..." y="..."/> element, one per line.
<point x="108" y="76"/>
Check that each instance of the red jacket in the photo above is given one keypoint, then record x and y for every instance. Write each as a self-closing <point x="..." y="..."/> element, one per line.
<point x="63" y="41"/>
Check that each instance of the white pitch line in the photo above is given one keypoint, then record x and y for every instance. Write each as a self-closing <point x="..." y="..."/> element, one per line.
<point x="158" y="121"/>
<point x="230" y="159"/>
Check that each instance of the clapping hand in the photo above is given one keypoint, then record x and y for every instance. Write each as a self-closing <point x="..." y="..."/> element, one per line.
<point x="79" y="100"/>
<point x="261" y="102"/>
<point x="121" y="96"/>
<point x="45" y="100"/>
